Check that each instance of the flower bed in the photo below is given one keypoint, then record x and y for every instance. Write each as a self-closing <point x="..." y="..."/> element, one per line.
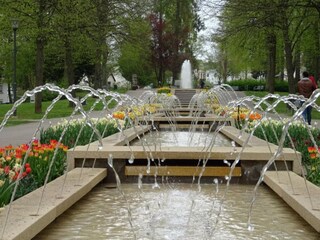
<point x="136" y="111"/>
<point x="271" y="131"/>
<point x="77" y="132"/>
<point x="28" y="166"/>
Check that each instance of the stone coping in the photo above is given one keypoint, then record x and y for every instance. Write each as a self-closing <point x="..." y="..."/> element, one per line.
<point x="190" y="119"/>
<point x="234" y="134"/>
<point x="256" y="149"/>
<point x="296" y="195"/>
<point x="23" y="223"/>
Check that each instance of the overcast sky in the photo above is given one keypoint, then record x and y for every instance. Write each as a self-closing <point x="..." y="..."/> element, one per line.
<point x="209" y="9"/>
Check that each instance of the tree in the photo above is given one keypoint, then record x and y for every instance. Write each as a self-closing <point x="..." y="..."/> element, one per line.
<point x="174" y="27"/>
<point x="273" y="22"/>
<point x="135" y="53"/>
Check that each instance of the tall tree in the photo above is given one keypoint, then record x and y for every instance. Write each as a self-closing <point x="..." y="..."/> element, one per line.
<point x="36" y="15"/>
<point x="175" y="24"/>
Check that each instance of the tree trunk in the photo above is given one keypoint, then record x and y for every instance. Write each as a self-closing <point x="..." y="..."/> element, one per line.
<point x="9" y="93"/>
<point x="316" y="65"/>
<point x="289" y="61"/>
<point x="297" y="63"/>
<point x="224" y="68"/>
<point x="97" y="70"/>
<point x="39" y="72"/>
<point x="69" y="66"/>
<point x="272" y="53"/>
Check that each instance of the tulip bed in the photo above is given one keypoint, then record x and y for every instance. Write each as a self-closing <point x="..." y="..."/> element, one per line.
<point x="271" y="131"/>
<point x="27" y="166"/>
<point x="24" y="168"/>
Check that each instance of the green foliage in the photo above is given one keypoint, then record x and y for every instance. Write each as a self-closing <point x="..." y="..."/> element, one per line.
<point x="272" y="131"/>
<point x="281" y="86"/>
<point x="135" y="54"/>
<point x="164" y="90"/>
<point x="250" y="84"/>
<point x="77" y="129"/>
<point x="247" y="84"/>
<point x="255" y="35"/>
<point x="48" y="95"/>
<point x="6" y="190"/>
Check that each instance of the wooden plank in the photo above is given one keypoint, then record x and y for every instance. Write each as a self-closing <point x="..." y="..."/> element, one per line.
<point x="181" y="171"/>
<point x="186" y="126"/>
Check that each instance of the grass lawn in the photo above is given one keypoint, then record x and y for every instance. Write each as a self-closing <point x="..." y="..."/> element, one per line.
<point x="26" y="112"/>
<point x="282" y="108"/>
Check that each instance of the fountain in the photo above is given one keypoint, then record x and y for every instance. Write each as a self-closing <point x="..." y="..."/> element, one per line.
<point x="162" y="190"/>
<point x="186" y="75"/>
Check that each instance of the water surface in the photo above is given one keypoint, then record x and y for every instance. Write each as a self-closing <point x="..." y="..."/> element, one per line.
<point x="184" y="139"/>
<point x="178" y="211"/>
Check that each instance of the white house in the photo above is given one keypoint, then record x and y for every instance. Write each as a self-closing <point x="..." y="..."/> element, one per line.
<point x="4" y="96"/>
<point x="117" y="80"/>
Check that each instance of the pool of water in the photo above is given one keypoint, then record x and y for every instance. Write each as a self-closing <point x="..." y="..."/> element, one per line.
<point x="178" y="211"/>
<point x="183" y="139"/>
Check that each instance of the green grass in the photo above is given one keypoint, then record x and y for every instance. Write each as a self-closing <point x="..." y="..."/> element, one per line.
<point x="282" y="108"/>
<point x="61" y="109"/>
<point x="26" y="111"/>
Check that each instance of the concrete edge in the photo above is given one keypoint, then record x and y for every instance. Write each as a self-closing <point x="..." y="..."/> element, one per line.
<point x="22" y="221"/>
<point x="296" y="195"/>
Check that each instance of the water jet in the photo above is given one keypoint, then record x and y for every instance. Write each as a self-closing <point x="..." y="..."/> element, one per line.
<point x="155" y="180"/>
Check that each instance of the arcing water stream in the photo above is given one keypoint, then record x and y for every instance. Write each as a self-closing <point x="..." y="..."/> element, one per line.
<point x="174" y="210"/>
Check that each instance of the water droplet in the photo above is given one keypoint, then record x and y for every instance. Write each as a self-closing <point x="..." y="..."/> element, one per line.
<point x="250" y="228"/>
<point x="131" y="159"/>
<point x="110" y="160"/>
<point x="155" y="185"/>
<point x="233" y="144"/>
<point x="140" y="181"/>
<point x="226" y="162"/>
<point x="226" y="177"/>
<point x="215" y="181"/>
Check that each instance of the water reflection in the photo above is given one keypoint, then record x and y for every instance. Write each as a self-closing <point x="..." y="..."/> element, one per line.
<point x="178" y="212"/>
<point x="184" y="139"/>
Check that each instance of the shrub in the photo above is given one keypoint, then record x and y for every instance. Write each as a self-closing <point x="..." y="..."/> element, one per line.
<point x="281" y="86"/>
<point x="247" y="84"/>
<point x="164" y="90"/>
<point x="48" y="95"/>
<point x="252" y="84"/>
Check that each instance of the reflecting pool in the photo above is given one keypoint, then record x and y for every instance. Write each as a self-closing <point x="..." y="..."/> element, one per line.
<point x="178" y="211"/>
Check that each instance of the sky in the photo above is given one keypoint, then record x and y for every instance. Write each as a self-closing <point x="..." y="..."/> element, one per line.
<point x="209" y="9"/>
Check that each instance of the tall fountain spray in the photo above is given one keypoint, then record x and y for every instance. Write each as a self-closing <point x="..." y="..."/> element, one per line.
<point x="186" y="75"/>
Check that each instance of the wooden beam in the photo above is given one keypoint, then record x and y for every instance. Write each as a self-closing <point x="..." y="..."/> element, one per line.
<point x="181" y="171"/>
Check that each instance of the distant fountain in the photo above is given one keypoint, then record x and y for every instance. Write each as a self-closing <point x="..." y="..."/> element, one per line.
<point x="186" y="75"/>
